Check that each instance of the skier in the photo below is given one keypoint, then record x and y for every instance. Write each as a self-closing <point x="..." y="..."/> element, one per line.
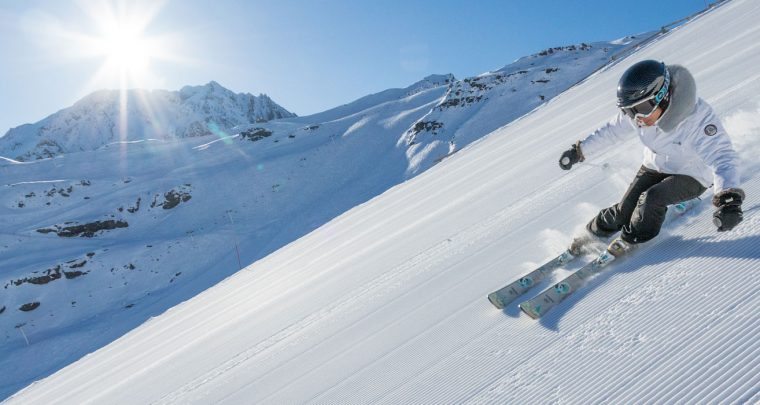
<point x="686" y="151"/>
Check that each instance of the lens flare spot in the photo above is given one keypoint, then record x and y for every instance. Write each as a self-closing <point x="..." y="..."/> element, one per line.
<point x="225" y="137"/>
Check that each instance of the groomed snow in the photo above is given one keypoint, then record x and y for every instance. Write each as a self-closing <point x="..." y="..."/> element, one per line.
<point x="387" y="302"/>
<point x="237" y="196"/>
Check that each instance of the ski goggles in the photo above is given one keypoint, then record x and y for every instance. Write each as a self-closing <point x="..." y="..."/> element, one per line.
<point x="646" y="107"/>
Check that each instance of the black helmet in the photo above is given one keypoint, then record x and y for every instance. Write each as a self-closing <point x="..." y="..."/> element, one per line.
<point x="644" y="86"/>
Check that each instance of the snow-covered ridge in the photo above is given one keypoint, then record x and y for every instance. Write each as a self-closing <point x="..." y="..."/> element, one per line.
<point x="107" y="116"/>
<point x="376" y="99"/>
<point x="479" y="105"/>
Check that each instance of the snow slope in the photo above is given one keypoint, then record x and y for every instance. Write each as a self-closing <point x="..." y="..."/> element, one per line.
<point x="99" y="239"/>
<point x="386" y="303"/>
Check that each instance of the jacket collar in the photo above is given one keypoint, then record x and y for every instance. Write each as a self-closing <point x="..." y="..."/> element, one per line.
<point x="683" y="98"/>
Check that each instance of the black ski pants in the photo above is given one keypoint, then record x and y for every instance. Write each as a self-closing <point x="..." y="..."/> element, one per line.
<point x="642" y="211"/>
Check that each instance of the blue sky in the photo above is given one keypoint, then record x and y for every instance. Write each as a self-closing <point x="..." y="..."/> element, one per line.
<point x="307" y="55"/>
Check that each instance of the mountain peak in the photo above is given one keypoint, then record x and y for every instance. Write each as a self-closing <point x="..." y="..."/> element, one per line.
<point x="440" y="79"/>
<point x="431" y="81"/>
<point x="212" y="87"/>
<point x="215" y="86"/>
<point x="92" y="119"/>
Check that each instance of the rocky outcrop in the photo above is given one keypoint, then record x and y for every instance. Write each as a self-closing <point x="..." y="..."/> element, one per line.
<point x="57" y="272"/>
<point x="40" y="197"/>
<point x="88" y="230"/>
<point x="31" y="306"/>
<point x="255" y="134"/>
<point x="173" y="197"/>
<point x="570" y="48"/>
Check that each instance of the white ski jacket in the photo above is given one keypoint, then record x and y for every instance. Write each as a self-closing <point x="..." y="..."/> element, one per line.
<point x="689" y="139"/>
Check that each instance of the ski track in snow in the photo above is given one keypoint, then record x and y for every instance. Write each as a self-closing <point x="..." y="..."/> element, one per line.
<point x="38" y="182"/>
<point x="387" y="303"/>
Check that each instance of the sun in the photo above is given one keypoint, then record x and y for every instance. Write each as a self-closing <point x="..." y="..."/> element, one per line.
<point x="118" y="44"/>
<point x="127" y="51"/>
<point x="122" y="41"/>
<point x="120" y="34"/>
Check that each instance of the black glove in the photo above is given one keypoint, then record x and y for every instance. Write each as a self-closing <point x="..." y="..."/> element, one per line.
<point x="729" y="212"/>
<point x="571" y="156"/>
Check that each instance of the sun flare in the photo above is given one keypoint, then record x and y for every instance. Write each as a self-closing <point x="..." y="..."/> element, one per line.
<point x="127" y="51"/>
<point x="121" y="40"/>
<point x="120" y="36"/>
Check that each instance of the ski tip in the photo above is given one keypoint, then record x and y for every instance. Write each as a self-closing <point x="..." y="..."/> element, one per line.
<point x="495" y="300"/>
<point x="531" y="310"/>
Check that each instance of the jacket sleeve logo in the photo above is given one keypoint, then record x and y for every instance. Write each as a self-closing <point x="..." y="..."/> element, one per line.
<point x="711" y="130"/>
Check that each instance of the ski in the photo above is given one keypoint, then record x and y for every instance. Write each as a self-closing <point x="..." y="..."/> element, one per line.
<point x="500" y="298"/>
<point x="549" y="298"/>
<point x="555" y="294"/>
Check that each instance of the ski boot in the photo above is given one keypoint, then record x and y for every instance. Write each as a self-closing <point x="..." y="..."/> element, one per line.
<point x="585" y="243"/>
<point x="618" y="247"/>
